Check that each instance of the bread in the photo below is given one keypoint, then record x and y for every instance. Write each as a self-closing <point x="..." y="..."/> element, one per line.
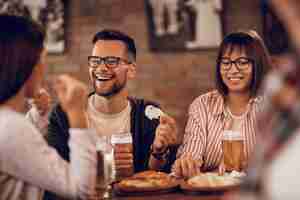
<point x="151" y="174"/>
<point x="146" y="181"/>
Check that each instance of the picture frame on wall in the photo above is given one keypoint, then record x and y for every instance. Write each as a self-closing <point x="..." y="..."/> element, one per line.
<point x="184" y="24"/>
<point x="48" y="13"/>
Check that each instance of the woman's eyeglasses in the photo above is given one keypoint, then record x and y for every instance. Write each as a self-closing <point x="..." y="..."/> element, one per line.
<point x="241" y="63"/>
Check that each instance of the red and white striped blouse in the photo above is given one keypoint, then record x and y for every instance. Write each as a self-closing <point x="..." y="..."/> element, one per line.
<point x="203" y="132"/>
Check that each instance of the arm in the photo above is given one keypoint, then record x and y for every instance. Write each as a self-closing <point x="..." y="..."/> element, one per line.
<point x="166" y="136"/>
<point x="24" y="152"/>
<point x="190" y="153"/>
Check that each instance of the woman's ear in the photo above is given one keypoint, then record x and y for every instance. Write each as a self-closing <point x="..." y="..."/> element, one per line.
<point x="131" y="73"/>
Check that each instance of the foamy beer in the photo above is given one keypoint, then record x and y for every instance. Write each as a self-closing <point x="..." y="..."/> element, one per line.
<point x="123" y="141"/>
<point x="233" y="150"/>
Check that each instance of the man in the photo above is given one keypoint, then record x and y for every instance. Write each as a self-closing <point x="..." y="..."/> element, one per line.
<point x="111" y="110"/>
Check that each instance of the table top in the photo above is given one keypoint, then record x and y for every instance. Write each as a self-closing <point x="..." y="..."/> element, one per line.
<point x="171" y="196"/>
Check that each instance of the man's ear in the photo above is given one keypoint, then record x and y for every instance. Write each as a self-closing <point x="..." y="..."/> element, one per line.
<point x="131" y="73"/>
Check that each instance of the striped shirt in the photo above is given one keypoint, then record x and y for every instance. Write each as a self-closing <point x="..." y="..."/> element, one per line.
<point x="206" y="121"/>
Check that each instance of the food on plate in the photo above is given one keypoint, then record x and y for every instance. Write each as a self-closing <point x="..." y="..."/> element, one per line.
<point x="148" y="181"/>
<point x="150" y="174"/>
<point x="210" y="180"/>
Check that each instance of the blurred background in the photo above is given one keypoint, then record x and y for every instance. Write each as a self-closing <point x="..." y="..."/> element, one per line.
<point x="172" y="78"/>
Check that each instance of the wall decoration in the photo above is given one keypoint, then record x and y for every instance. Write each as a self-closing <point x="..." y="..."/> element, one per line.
<point x="49" y="13"/>
<point x="184" y="24"/>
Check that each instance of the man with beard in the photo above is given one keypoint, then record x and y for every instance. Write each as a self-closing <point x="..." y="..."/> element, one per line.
<point x="111" y="110"/>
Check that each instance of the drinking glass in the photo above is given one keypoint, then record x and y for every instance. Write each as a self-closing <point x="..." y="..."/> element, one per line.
<point x="105" y="171"/>
<point x="233" y="150"/>
<point x="123" y="141"/>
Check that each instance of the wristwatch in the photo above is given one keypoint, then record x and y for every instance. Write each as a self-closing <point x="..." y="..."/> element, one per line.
<point x="160" y="155"/>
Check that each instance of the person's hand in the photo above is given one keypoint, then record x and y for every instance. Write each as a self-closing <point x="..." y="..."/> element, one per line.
<point x="187" y="167"/>
<point x="222" y="168"/>
<point x="166" y="134"/>
<point x="123" y="157"/>
<point x="73" y="95"/>
<point x="42" y="102"/>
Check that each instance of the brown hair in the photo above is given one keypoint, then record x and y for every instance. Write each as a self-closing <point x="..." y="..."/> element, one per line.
<point x="21" y="44"/>
<point x="254" y="48"/>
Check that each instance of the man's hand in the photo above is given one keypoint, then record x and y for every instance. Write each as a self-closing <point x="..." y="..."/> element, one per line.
<point x="123" y="157"/>
<point x="73" y="95"/>
<point x="187" y="167"/>
<point x="166" y="134"/>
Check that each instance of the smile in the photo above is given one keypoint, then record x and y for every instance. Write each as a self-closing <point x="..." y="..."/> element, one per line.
<point x="235" y="78"/>
<point x="103" y="77"/>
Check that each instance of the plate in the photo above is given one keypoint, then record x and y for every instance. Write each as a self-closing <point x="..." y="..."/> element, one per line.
<point x="146" y="183"/>
<point x="210" y="182"/>
<point x="142" y="192"/>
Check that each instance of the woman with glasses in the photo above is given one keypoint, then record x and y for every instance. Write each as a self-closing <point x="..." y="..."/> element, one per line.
<point x="241" y="63"/>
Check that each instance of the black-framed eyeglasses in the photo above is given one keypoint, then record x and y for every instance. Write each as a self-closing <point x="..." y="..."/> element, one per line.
<point x="242" y="63"/>
<point x="110" y="62"/>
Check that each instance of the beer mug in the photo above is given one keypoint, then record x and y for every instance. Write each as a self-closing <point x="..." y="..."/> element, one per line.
<point x="233" y="150"/>
<point x="105" y="163"/>
<point x="123" y="141"/>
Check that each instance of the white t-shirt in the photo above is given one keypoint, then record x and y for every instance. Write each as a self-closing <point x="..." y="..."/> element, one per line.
<point x="108" y="124"/>
<point x="28" y="165"/>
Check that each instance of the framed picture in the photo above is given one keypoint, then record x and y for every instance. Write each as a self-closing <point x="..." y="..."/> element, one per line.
<point x="184" y="24"/>
<point x="49" y="13"/>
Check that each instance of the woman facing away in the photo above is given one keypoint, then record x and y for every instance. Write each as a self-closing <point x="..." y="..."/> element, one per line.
<point x="234" y="105"/>
<point x="27" y="164"/>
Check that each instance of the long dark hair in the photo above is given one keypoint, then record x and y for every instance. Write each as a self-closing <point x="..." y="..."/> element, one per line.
<point x="254" y="48"/>
<point x="21" y="44"/>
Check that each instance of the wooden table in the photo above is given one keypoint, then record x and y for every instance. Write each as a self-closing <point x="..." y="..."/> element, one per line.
<point x="172" y="196"/>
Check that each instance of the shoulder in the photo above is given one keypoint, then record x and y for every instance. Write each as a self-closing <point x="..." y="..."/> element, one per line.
<point x="57" y="112"/>
<point x="142" y="102"/>
<point x="57" y="109"/>
<point x="207" y="100"/>
<point x="11" y="119"/>
<point x="141" y="107"/>
<point x="15" y="128"/>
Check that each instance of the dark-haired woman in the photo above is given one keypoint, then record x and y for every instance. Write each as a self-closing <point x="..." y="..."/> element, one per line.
<point x="234" y="105"/>
<point x="27" y="164"/>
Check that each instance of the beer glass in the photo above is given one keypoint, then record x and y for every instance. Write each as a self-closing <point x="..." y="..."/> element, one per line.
<point x="123" y="141"/>
<point x="233" y="150"/>
<point x="105" y="170"/>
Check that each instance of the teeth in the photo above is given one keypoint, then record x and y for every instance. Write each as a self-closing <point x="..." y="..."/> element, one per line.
<point x="101" y="78"/>
<point x="235" y="78"/>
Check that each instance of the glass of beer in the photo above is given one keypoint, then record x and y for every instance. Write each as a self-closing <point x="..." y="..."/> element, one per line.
<point x="104" y="167"/>
<point x="122" y="141"/>
<point x="233" y="150"/>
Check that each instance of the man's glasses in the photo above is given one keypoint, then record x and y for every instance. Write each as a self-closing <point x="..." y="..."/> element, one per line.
<point x="242" y="63"/>
<point x="110" y="62"/>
